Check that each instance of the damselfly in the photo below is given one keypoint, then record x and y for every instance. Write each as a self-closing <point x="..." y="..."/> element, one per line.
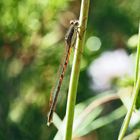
<point x="70" y="39"/>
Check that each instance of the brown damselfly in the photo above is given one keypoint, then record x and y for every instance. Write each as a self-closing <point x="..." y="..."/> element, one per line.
<point x="70" y="39"/>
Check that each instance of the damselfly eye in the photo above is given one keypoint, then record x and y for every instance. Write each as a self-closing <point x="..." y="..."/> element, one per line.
<point x="76" y="22"/>
<point x="72" y="22"/>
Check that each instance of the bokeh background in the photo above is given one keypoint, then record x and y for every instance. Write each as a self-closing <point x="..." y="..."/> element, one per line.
<point x="31" y="50"/>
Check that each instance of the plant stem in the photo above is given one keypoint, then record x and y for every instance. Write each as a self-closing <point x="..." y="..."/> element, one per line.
<point x="76" y="70"/>
<point x="137" y="58"/>
<point x="134" y="95"/>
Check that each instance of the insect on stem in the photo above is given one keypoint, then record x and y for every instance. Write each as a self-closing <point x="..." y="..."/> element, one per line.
<point x="70" y="39"/>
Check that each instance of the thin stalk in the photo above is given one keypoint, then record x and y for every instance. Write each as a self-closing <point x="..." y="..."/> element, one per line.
<point x="76" y="70"/>
<point x="137" y="58"/>
<point x="134" y="95"/>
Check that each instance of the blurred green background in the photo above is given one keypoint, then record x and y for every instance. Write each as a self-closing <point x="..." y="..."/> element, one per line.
<point x="31" y="50"/>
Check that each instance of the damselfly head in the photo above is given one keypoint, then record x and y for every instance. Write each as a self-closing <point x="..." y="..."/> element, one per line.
<point x="74" y="22"/>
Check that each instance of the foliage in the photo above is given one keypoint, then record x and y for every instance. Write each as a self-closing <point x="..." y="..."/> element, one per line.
<point x="31" y="39"/>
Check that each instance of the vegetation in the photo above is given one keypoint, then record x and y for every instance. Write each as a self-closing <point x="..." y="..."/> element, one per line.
<point x="31" y="50"/>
